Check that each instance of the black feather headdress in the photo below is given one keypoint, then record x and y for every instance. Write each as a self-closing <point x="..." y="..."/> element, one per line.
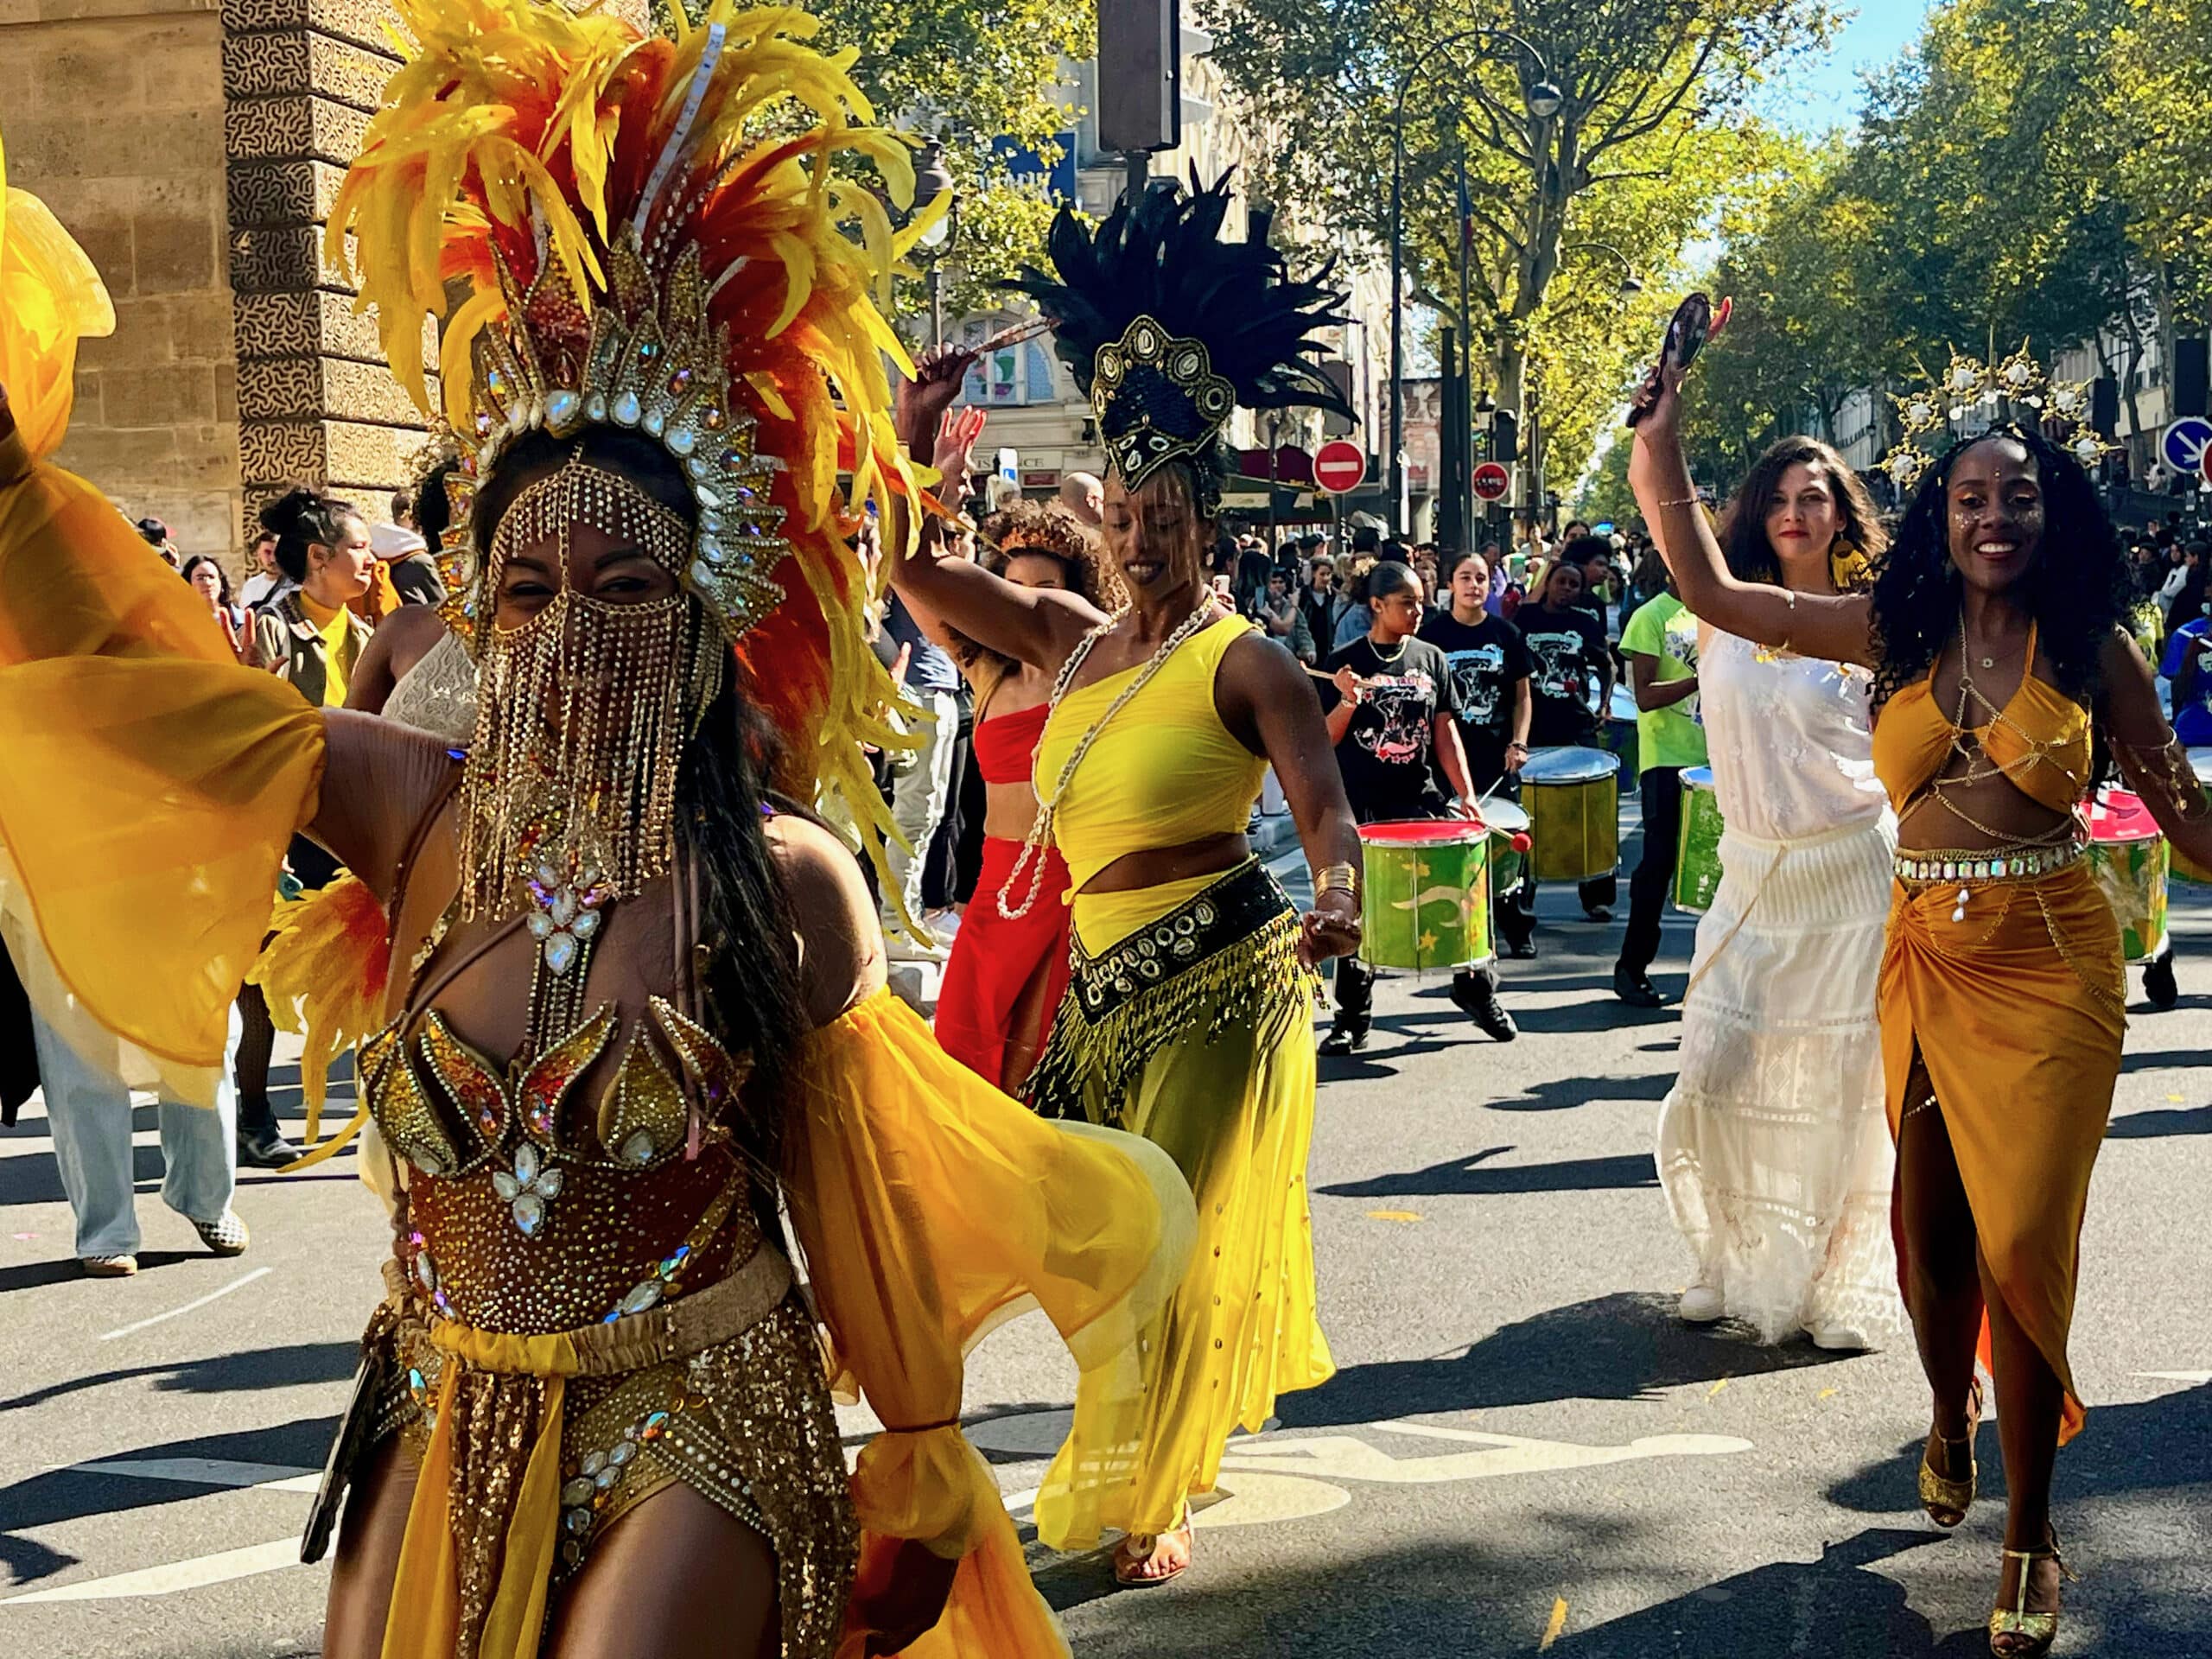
<point x="1167" y="327"/>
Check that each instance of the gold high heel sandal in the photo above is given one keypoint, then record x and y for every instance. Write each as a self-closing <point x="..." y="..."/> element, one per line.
<point x="1942" y="1497"/>
<point x="2035" y="1632"/>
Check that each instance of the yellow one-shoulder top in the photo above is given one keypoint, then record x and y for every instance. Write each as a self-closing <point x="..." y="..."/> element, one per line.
<point x="1165" y="771"/>
<point x="2041" y="741"/>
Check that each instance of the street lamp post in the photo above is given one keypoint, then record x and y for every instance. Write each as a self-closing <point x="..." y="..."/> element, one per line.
<point x="1631" y="284"/>
<point x="933" y="179"/>
<point x="1543" y="99"/>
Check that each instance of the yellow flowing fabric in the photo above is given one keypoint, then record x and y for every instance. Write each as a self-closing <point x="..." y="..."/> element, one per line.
<point x="930" y="1209"/>
<point x="2017" y="1010"/>
<point x="1233" y="1108"/>
<point x="147" y="774"/>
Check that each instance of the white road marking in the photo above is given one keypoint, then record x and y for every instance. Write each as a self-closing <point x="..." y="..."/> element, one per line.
<point x="235" y="1284"/>
<point x="2175" y="1376"/>
<point x="173" y="1576"/>
<point x="208" y="1472"/>
<point x="1342" y="1457"/>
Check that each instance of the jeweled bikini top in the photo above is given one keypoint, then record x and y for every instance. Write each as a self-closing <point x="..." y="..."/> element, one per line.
<point x="540" y="1212"/>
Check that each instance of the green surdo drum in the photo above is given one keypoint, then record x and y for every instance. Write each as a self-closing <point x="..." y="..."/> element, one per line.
<point x="2128" y="854"/>
<point x="1572" y="795"/>
<point x="1426" y="895"/>
<point x="1697" y="853"/>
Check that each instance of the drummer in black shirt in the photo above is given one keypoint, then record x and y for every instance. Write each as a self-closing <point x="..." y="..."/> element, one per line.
<point x="1572" y="679"/>
<point x="1390" y="705"/>
<point x="1490" y="667"/>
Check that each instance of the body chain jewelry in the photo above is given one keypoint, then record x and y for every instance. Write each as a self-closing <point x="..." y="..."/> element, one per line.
<point x="1040" y="831"/>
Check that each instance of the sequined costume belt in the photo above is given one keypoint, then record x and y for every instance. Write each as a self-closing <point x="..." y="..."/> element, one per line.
<point x="1229" y="953"/>
<point x="1995" y="864"/>
<point x="672" y="1330"/>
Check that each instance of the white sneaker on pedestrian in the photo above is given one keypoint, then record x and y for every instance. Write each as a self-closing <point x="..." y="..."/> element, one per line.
<point x="1838" y="1338"/>
<point x="1702" y="1305"/>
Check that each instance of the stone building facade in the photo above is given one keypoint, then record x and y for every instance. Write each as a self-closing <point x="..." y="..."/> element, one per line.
<point x="194" y="147"/>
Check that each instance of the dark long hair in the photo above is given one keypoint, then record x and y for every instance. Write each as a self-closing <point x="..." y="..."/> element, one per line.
<point x="1742" y="524"/>
<point x="752" y="978"/>
<point x="2078" y="590"/>
<point x="300" y="519"/>
<point x="222" y="576"/>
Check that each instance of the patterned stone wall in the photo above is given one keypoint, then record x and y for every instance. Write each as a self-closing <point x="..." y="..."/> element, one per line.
<point x="301" y="79"/>
<point x="113" y="113"/>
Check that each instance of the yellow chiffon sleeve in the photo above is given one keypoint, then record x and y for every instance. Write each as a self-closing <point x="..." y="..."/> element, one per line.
<point x="929" y="1208"/>
<point x="150" y="783"/>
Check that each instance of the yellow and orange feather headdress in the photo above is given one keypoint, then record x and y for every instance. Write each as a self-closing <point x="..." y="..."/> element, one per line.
<point x="656" y="234"/>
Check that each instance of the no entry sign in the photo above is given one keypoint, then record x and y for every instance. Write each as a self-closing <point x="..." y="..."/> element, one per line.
<point x="1338" y="466"/>
<point x="1491" y="481"/>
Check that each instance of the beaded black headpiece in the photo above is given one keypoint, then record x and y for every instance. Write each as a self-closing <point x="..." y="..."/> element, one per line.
<point x="1167" y="327"/>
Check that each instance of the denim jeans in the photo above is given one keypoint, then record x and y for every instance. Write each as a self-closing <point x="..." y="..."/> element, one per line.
<point x="88" y="1111"/>
<point x="919" y="795"/>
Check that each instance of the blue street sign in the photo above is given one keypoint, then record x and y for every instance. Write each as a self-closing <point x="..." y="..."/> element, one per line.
<point x="2183" y="446"/>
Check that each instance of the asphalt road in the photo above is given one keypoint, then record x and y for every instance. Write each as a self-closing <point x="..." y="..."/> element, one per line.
<point x="1522" y="1451"/>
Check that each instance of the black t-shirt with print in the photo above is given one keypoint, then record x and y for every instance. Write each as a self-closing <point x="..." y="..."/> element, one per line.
<point x="1384" y="756"/>
<point x="1569" y="652"/>
<point x="1485" y="662"/>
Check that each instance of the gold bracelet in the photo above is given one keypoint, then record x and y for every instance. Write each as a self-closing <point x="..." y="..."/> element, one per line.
<point x="1335" y="878"/>
<point x="1687" y="501"/>
<point x="1790" y="596"/>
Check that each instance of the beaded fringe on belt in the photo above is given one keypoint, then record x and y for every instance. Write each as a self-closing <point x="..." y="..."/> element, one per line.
<point x="1227" y="956"/>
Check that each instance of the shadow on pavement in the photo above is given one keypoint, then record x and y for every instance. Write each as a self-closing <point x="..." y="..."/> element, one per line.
<point x="61" y="1495"/>
<point x="1625" y="1346"/>
<point x="2164" y="1121"/>
<point x="253" y="1368"/>
<point x="1473" y="1176"/>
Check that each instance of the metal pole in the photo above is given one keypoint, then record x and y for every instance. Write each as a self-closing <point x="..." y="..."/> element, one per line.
<point x="1462" y="435"/>
<point x="1139" y="165"/>
<point x="1397" y="312"/>
<point x="937" y="301"/>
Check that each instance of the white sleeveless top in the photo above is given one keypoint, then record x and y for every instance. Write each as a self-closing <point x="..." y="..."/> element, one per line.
<point x="1791" y="740"/>
<point x="438" y="695"/>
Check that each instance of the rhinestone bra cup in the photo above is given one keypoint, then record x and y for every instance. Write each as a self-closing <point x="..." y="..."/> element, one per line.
<point x="535" y="1216"/>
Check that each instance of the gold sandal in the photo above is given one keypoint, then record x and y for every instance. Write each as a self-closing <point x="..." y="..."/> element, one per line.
<point x="2038" y="1630"/>
<point x="1942" y="1497"/>
<point x="1134" y="1551"/>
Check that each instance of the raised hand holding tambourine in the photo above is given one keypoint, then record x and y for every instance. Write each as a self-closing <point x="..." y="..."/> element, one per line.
<point x="1694" y="323"/>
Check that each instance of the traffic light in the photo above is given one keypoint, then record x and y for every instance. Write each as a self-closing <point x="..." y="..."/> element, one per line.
<point x="1505" y="437"/>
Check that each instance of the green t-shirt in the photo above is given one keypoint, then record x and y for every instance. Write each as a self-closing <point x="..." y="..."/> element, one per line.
<point x="1672" y="736"/>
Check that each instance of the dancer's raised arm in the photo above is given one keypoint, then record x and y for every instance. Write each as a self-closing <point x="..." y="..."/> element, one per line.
<point x="1838" y="628"/>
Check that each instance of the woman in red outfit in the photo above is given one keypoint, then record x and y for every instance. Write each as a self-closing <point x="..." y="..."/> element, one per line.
<point x="1005" y="974"/>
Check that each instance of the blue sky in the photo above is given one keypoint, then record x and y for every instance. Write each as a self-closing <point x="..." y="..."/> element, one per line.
<point x="1823" y="92"/>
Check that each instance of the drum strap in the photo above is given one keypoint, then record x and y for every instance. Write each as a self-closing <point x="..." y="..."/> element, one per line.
<point x="1780" y="854"/>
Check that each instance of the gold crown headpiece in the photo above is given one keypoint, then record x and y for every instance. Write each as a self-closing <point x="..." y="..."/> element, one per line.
<point x="651" y="237"/>
<point x="2016" y="388"/>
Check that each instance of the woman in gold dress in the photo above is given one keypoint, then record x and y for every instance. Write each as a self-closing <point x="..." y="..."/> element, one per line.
<point x="2003" y="673"/>
<point x="1190" y="1017"/>
<point x="637" y="1002"/>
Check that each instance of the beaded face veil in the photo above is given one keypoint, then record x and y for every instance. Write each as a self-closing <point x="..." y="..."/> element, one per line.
<point x="584" y="712"/>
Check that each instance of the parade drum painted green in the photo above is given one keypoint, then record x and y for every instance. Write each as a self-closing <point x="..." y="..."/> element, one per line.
<point x="1426" y="895"/>
<point x="1697" y="853"/>
<point x="2185" y="868"/>
<point x="2128" y="857"/>
<point x="1508" y="842"/>
<point x="1573" y="798"/>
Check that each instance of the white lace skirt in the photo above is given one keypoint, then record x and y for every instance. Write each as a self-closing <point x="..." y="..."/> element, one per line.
<point x="1774" y="1147"/>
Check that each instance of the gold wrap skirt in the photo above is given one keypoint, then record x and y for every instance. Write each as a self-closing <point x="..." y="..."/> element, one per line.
<point x="2016" y="1008"/>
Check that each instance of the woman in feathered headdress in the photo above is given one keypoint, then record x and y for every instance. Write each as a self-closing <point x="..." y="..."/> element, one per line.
<point x="1189" y="1019"/>
<point x="638" y="993"/>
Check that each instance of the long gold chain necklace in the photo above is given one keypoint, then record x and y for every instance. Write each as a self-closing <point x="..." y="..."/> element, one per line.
<point x="1040" y="831"/>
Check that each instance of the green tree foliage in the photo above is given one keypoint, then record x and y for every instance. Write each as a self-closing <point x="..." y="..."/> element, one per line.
<point x="1650" y="141"/>
<point x="969" y="72"/>
<point x="2032" y="169"/>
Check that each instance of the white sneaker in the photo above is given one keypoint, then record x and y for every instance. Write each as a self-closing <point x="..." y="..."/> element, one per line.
<point x="1702" y="1305"/>
<point x="1838" y="1338"/>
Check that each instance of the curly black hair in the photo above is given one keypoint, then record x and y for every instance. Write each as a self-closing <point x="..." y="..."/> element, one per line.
<point x="2077" y="590"/>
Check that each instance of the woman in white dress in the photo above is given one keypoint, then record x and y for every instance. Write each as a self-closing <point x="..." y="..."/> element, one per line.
<point x="1773" y="1146"/>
